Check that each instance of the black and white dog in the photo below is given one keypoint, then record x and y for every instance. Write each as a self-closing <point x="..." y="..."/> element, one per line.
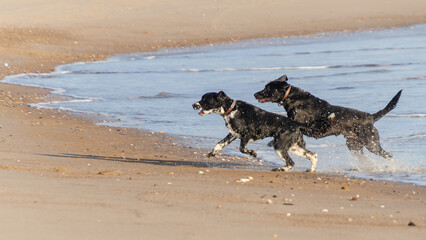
<point x="356" y="126"/>
<point x="250" y="123"/>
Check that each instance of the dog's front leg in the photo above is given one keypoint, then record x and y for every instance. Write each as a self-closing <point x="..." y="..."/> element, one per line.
<point x="243" y="148"/>
<point x="222" y="143"/>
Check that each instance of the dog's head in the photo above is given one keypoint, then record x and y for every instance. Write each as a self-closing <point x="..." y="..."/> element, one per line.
<point x="274" y="91"/>
<point x="212" y="103"/>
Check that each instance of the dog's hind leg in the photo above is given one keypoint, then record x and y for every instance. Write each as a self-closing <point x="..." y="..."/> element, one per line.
<point x="243" y="148"/>
<point x="222" y="143"/>
<point x="355" y="146"/>
<point x="299" y="149"/>
<point x="373" y="143"/>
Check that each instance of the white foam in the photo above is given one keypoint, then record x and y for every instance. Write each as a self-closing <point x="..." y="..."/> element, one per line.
<point x="256" y="69"/>
<point x="419" y="115"/>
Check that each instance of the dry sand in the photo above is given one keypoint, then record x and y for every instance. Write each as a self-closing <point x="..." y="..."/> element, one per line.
<point x="64" y="178"/>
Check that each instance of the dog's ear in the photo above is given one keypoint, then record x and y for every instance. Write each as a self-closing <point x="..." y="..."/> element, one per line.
<point x="283" y="78"/>
<point x="221" y="95"/>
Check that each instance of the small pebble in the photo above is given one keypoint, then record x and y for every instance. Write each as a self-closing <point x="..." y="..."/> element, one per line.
<point x="411" y="224"/>
<point x="288" y="214"/>
<point x="344" y="188"/>
<point x="354" y="199"/>
<point x="243" y="180"/>
<point x="269" y="201"/>
<point x="200" y="172"/>
<point x="325" y="210"/>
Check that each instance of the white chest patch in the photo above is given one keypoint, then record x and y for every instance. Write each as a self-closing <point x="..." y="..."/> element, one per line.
<point x="229" y="126"/>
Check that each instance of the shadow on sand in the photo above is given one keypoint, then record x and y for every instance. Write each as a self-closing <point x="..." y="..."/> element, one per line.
<point x="161" y="162"/>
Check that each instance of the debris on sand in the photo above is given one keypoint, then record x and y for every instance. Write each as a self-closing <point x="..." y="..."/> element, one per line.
<point x="110" y="172"/>
<point x="242" y="180"/>
<point x="411" y="224"/>
<point x="61" y="170"/>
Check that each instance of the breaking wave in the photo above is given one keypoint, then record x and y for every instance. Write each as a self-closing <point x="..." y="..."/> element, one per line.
<point x="368" y="65"/>
<point x="418" y="115"/>
<point x="161" y="95"/>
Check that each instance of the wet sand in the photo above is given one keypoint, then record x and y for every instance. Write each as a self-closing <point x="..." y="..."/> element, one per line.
<point x="65" y="178"/>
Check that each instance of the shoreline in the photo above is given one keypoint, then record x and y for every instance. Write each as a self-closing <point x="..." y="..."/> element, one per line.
<point x="64" y="177"/>
<point x="103" y="119"/>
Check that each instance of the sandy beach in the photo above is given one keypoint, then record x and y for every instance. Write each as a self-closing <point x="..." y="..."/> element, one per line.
<point x="62" y="177"/>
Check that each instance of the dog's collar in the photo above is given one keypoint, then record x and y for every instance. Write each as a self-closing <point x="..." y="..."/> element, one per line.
<point x="285" y="95"/>
<point x="230" y="108"/>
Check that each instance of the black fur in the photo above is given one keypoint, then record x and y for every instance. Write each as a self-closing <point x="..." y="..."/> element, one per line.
<point x="250" y="123"/>
<point x="356" y="126"/>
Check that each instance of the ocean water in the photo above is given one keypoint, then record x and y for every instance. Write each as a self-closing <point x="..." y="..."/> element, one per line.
<point x="361" y="70"/>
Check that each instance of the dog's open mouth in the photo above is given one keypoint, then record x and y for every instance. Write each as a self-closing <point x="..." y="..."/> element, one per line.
<point x="262" y="100"/>
<point x="201" y="113"/>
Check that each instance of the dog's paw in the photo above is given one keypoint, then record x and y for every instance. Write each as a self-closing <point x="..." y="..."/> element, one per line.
<point x="282" y="169"/>
<point x="310" y="170"/>
<point x="210" y="154"/>
<point x="252" y="153"/>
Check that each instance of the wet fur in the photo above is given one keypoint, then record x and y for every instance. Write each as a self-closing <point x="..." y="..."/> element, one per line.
<point x="250" y="123"/>
<point x="356" y="126"/>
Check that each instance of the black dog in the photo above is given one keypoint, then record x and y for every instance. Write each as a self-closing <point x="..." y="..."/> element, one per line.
<point x="250" y="123"/>
<point x="356" y="126"/>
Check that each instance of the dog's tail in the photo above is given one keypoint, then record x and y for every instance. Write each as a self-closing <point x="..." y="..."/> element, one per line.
<point x="391" y="105"/>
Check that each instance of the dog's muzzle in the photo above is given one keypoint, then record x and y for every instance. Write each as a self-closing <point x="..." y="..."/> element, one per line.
<point x="260" y="98"/>
<point x="197" y="106"/>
